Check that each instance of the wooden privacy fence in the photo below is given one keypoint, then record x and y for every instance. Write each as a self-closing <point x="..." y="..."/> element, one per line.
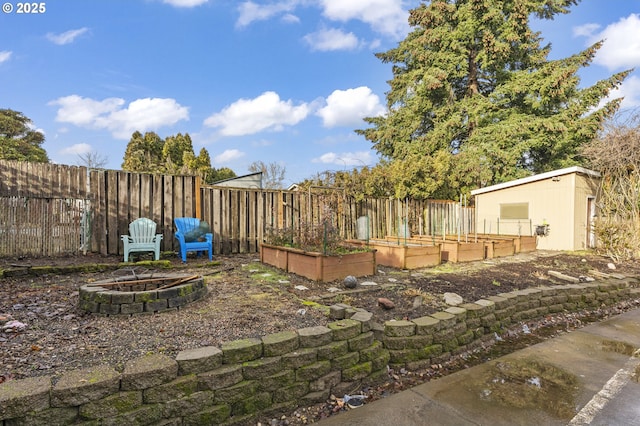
<point x="43" y="226"/>
<point x="69" y="209"/>
<point x="121" y="197"/>
<point x="44" y="209"/>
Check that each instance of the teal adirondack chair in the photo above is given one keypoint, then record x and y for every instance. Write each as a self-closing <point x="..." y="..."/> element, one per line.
<point x="193" y="235"/>
<point x="142" y="238"/>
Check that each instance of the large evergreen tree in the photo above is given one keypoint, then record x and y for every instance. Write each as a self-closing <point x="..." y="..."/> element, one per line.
<point x="18" y="141"/>
<point x="149" y="153"/>
<point x="144" y="153"/>
<point x="176" y="150"/>
<point x="474" y="99"/>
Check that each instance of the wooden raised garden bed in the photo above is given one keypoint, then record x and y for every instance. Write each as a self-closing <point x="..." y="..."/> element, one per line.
<point x="522" y="243"/>
<point x="494" y="245"/>
<point x="398" y="254"/>
<point x="489" y="246"/>
<point x="455" y="251"/>
<point x="317" y="266"/>
<point x="460" y="251"/>
<point x="498" y="248"/>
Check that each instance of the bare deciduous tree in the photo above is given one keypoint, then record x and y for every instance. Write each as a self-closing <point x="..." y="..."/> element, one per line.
<point x="616" y="155"/>
<point x="272" y="174"/>
<point x="93" y="160"/>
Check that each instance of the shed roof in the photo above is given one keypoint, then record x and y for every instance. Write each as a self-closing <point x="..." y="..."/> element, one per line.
<point x="238" y="180"/>
<point x="535" y="178"/>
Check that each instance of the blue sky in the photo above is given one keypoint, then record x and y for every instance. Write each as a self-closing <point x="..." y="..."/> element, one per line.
<point x="284" y="81"/>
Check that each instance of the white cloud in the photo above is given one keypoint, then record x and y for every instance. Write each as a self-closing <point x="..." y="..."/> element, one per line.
<point x="185" y="3"/>
<point x="331" y="39"/>
<point x="359" y="158"/>
<point x="290" y="18"/>
<point x="228" y="156"/>
<point x="621" y="48"/>
<point x="251" y="12"/>
<point x="349" y="107"/>
<point x="384" y="16"/>
<point x="5" y="55"/>
<point x="67" y="36"/>
<point x="249" y="116"/>
<point x="373" y="45"/>
<point x="262" y="143"/>
<point x="586" y="30"/>
<point x="79" y="148"/>
<point x="109" y="114"/>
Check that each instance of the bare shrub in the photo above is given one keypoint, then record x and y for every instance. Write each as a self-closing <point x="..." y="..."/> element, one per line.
<point x="616" y="155"/>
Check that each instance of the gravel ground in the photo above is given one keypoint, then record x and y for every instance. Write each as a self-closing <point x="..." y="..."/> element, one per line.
<point x="248" y="299"/>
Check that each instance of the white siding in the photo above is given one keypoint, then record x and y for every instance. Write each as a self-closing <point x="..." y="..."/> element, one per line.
<point x="560" y="201"/>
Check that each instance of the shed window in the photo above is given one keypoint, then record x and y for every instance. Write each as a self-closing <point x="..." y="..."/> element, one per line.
<point x="514" y="211"/>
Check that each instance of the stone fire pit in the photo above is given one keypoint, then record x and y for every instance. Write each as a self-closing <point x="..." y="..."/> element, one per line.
<point x="144" y="293"/>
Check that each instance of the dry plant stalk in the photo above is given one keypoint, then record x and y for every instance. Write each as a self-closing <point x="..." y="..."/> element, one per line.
<point x="616" y="155"/>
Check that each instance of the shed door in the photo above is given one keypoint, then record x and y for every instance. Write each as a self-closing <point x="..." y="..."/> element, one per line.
<point x="591" y="217"/>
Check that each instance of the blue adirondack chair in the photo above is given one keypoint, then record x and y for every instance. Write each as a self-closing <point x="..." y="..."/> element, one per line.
<point x="142" y="238"/>
<point x="193" y="235"/>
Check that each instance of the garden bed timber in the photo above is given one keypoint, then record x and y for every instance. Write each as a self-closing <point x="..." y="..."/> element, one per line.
<point x="522" y="243"/>
<point x="403" y="255"/>
<point x="492" y="247"/>
<point x="452" y="250"/>
<point x="317" y="266"/>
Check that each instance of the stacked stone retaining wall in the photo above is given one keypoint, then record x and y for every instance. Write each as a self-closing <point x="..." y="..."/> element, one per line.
<point x="243" y="378"/>
<point x="436" y="338"/>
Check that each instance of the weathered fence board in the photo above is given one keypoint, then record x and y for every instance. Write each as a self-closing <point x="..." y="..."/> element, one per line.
<point x="40" y="226"/>
<point x="42" y="180"/>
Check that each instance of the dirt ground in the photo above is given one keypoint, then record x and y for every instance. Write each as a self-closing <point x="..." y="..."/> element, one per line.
<point x="245" y="299"/>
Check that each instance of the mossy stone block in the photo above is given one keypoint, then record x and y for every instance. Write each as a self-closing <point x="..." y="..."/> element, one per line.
<point x="251" y="405"/>
<point x="112" y="405"/>
<point x="199" y="360"/>
<point x="237" y="392"/>
<point x="372" y="352"/>
<point x="312" y="337"/>
<point x="345" y="361"/>
<point x="221" y="378"/>
<point x="361" y="342"/>
<point x="313" y="371"/>
<point x="188" y="405"/>
<point x="300" y="358"/>
<point x="426" y="325"/>
<point x="345" y="329"/>
<point x="280" y="343"/>
<point x="277" y="381"/>
<point x="79" y="387"/>
<point x="333" y="350"/>
<point x="357" y="372"/>
<point x="399" y="328"/>
<point x="291" y="393"/>
<point x="179" y="388"/>
<point x="215" y="415"/>
<point x="148" y="371"/>
<point x="261" y="368"/>
<point x="19" y="397"/>
<point x="239" y="351"/>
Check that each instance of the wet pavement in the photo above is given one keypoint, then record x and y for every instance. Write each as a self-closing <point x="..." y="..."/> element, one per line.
<point x="585" y="377"/>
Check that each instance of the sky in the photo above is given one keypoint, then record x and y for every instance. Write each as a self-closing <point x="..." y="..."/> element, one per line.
<point x="278" y="81"/>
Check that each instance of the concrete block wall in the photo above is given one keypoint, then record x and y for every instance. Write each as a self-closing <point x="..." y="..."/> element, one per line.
<point x="242" y="378"/>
